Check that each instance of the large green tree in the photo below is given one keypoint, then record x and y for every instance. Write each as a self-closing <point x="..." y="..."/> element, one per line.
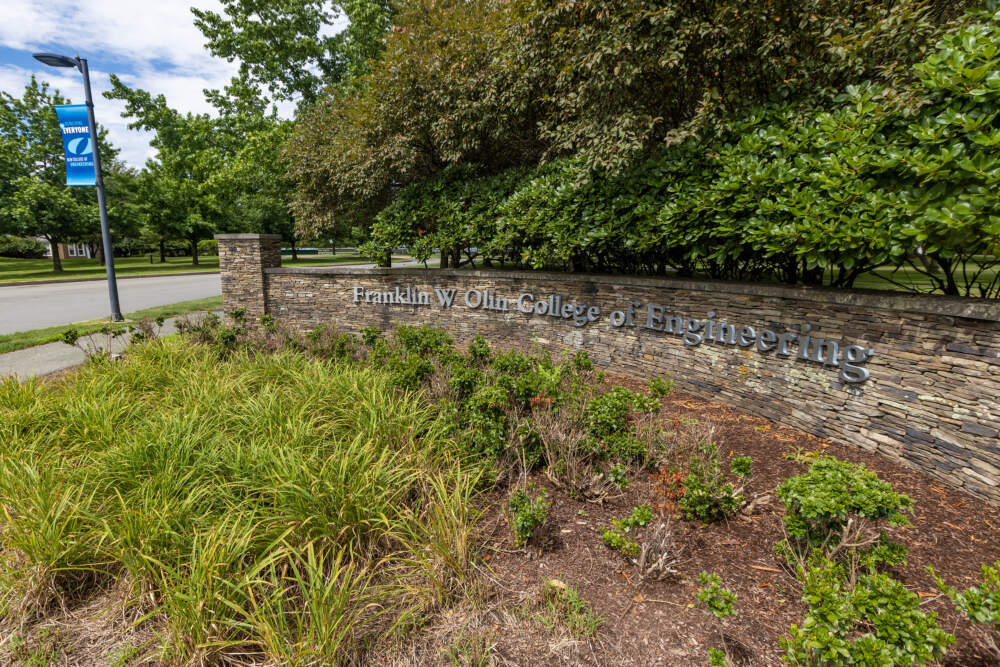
<point x="34" y="199"/>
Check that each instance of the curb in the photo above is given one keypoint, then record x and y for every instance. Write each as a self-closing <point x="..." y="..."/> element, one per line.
<point x="56" y="281"/>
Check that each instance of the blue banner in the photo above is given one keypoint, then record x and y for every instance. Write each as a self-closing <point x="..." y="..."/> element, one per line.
<point x="77" y="144"/>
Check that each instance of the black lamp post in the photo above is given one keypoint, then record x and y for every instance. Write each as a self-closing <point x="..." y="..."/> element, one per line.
<point x="56" y="60"/>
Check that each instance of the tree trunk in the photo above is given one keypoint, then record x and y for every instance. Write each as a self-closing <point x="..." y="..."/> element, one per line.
<point x="56" y="261"/>
<point x="163" y="251"/>
<point x="388" y="258"/>
<point x="295" y="254"/>
<point x="445" y="254"/>
<point x="194" y="252"/>
<point x="98" y="252"/>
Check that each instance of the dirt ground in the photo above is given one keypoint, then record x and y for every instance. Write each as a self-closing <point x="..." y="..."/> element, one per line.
<point x="660" y="623"/>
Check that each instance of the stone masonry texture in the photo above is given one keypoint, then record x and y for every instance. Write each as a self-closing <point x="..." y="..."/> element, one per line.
<point x="932" y="402"/>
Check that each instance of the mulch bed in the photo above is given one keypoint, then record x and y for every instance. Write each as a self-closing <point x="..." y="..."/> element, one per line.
<point x="659" y="623"/>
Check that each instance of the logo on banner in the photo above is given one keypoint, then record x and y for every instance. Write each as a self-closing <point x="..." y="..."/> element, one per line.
<point x="77" y="144"/>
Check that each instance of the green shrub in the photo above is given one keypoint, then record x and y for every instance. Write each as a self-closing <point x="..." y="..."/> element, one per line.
<point x="837" y="507"/>
<point x="19" y="247"/>
<point x="370" y="334"/>
<point x="717" y="658"/>
<point x="707" y="494"/>
<point x="720" y="601"/>
<point x="617" y="476"/>
<point x="980" y="603"/>
<point x="527" y="515"/>
<point x="616" y="536"/>
<point x="740" y="465"/>
<point x="582" y="362"/>
<point x="660" y="387"/>
<point x="878" y="622"/>
<point x="479" y="349"/>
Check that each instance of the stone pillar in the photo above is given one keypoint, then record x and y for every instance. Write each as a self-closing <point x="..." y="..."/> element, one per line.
<point x="242" y="261"/>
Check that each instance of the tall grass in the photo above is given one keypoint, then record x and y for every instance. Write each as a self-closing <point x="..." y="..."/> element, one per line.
<point x="272" y="506"/>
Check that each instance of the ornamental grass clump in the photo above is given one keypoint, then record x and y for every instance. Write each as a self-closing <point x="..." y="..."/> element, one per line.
<point x="838" y="510"/>
<point x="271" y="505"/>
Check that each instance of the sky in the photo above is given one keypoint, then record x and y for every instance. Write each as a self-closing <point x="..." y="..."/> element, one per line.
<point x="149" y="44"/>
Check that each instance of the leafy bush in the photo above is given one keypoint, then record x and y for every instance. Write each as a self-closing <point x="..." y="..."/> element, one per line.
<point x="707" y="494"/>
<point x="22" y="248"/>
<point x="616" y="536"/>
<point x="607" y="424"/>
<point x="878" y="622"/>
<point x="980" y="603"/>
<point x="616" y="475"/>
<point x="660" y="387"/>
<point x="720" y="601"/>
<point x="836" y="507"/>
<point x="527" y="515"/>
<point x="740" y="465"/>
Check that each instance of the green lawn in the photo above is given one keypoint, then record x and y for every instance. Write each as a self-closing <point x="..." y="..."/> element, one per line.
<point x="13" y="270"/>
<point x="24" y="339"/>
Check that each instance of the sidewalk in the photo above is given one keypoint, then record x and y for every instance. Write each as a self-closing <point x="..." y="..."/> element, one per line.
<point x="55" y="357"/>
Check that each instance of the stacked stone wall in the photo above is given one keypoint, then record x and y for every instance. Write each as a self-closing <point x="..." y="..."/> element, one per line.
<point x="932" y="400"/>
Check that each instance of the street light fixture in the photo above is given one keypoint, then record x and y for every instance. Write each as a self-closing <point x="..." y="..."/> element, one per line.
<point x="56" y="60"/>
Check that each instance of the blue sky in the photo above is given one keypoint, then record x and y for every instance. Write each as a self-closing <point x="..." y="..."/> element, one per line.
<point x="150" y="44"/>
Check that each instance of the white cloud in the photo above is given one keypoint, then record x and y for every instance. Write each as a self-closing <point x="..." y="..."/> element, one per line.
<point x="158" y="38"/>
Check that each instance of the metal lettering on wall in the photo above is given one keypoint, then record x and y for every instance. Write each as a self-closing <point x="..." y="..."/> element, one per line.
<point x="803" y="345"/>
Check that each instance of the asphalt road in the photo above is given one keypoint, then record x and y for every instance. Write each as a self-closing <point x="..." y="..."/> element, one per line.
<point x="30" y="307"/>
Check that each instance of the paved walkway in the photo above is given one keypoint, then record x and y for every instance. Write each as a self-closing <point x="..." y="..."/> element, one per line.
<point x="55" y="357"/>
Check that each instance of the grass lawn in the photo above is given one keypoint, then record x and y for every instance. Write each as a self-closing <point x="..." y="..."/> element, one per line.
<point x="14" y="270"/>
<point x="23" y="339"/>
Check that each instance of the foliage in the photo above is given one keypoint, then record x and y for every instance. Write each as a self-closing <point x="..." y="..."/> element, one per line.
<point x="891" y="173"/>
<point x="296" y="506"/>
<point x="720" y="601"/>
<point x="617" y="476"/>
<point x="21" y="247"/>
<point x="980" y="603"/>
<point x="717" y="658"/>
<point x="527" y="514"/>
<point x="707" y="494"/>
<point x="616" y="536"/>
<point x="660" y="387"/>
<point x="836" y="507"/>
<point x="564" y="603"/>
<point x="878" y="622"/>
<point x="740" y="465"/>
<point x="608" y="413"/>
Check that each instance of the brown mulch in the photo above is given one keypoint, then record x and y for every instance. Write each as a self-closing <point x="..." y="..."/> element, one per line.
<point x="660" y="623"/>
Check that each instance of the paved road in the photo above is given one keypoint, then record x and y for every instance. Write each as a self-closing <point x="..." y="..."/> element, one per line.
<point x="38" y="306"/>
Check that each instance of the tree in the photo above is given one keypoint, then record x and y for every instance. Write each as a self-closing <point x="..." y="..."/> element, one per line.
<point x="190" y="150"/>
<point x="285" y="48"/>
<point x="34" y="199"/>
<point x="38" y="208"/>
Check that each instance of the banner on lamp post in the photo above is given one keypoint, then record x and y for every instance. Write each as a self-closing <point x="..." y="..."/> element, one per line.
<point x="78" y="145"/>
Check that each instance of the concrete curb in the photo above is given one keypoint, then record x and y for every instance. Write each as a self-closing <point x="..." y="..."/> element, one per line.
<point x="55" y="281"/>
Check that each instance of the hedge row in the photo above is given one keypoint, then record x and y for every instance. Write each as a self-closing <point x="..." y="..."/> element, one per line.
<point x="901" y="178"/>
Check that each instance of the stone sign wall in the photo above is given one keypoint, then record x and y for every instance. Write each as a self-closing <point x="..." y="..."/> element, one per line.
<point x="914" y="377"/>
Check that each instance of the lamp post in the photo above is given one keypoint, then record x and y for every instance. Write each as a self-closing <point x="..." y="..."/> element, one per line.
<point x="56" y="60"/>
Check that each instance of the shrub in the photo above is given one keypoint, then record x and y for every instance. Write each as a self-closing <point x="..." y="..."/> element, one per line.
<point x="370" y="334"/>
<point x="720" y="601"/>
<point x="740" y="466"/>
<point x="878" y="622"/>
<point x="527" y="515"/>
<point x="836" y="507"/>
<point x="660" y="387"/>
<point x="19" y="247"/>
<point x="616" y="536"/>
<point x="707" y="494"/>
<point x="616" y="475"/>
<point x="479" y="349"/>
<point x="717" y="658"/>
<point x="980" y="603"/>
